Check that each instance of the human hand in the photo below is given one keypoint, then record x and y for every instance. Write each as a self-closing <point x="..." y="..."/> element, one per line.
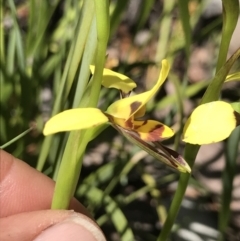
<point x="25" y="200"/>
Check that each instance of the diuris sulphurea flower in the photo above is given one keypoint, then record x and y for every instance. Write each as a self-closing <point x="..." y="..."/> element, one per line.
<point x="124" y="116"/>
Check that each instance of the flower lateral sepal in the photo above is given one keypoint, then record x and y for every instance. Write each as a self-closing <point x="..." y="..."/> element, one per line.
<point x="158" y="151"/>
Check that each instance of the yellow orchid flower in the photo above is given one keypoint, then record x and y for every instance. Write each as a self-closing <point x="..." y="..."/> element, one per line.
<point x="123" y="115"/>
<point x="211" y="122"/>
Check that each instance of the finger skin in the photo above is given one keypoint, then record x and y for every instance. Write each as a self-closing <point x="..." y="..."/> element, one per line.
<point x="27" y="226"/>
<point x="24" y="189"/>
<point x="25" y="196"/>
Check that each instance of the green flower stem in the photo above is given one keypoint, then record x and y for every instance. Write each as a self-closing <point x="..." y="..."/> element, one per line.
<point x="70" y="168"/>
<point x="214" y="89"/>
<point x="190" y="155"/>
<point x="68" y="173"/>
<point x="230" y="18"/>
<point x="212" y="93"/>
<point x="102" y="19"/>
<point x="228" y="176"/>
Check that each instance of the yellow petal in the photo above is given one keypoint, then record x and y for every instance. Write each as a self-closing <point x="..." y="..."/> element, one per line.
<point x="127" y="107"/>
<point x="74" y="119"/>
<point x="151" y="130"/>
<point x="209" y="123"/>
<point x="116" y="80"/>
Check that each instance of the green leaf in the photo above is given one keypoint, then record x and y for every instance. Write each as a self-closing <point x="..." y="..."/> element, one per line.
<point x="185" y="19"/>
<point x="230" y="18"/>
<point x="214" y="89"/>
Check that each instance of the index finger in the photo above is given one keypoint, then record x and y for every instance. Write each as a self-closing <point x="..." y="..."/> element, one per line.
<point x="25" y="189"/>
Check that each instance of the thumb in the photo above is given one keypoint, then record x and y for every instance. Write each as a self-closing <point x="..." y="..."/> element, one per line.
<point x="61" y="225"/>
<point x="75" y="228"/>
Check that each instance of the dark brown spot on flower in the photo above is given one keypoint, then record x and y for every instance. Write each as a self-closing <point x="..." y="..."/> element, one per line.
<point x="129" y="123"/>
<point x="134" y="106"/>
<point x="155" y="133"/>
<point x="175" y="155"/>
